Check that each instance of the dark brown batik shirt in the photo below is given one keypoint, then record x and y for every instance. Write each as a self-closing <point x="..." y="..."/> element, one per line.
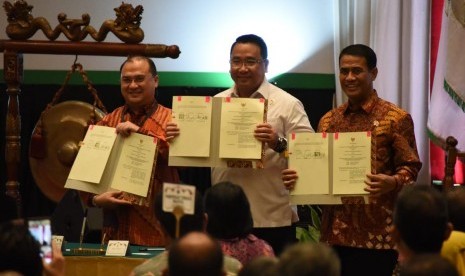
<point x="394" y="152"/>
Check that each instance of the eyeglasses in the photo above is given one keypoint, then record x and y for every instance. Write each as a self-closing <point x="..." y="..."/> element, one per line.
<point x="248" y="62"/>
<point x="138" y="79"/>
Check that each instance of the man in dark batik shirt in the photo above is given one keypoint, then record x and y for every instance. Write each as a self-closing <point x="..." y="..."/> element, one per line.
<point x="360" y="232"/>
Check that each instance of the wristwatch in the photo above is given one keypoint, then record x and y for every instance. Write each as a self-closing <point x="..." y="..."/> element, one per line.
<point x="94" y="203"/>
<point x="281" y="145"/>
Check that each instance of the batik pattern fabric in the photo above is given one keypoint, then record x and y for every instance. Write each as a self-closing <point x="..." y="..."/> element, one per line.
<point x="136" y="223"/>
<point x="394" y="152"/>
<point x="247" y="248"/>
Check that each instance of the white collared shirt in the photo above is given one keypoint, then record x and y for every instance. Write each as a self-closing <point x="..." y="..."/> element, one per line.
<point x="269" y="200"/>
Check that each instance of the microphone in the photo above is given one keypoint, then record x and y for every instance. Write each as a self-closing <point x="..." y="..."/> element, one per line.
<point x="84" y="221"/>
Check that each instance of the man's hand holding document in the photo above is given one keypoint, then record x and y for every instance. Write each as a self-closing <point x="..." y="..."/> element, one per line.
<point x="217" y="132"/>
<point x="330" y="166"/>
<point x="107" y="161"/>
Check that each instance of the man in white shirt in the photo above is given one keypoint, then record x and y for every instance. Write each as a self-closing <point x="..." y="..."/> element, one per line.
<point x="271" y="211"/>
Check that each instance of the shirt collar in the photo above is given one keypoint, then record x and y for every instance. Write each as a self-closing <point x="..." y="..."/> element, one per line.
<point x="147" y="110"/>
<point x="262" y="91"/>
<point x="366" y="106"/>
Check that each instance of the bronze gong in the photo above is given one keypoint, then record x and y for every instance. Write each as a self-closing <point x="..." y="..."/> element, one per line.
<point x="64" y="126"/>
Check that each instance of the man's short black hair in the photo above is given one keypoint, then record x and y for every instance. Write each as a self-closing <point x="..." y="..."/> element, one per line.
<point x="152" y="67"/>
<point x="360" y="50"/>
<point x="456" y="207"/>
<point x="421" y="218"/>
<point x="228" y="211"/>
<point x="254" y="39"/>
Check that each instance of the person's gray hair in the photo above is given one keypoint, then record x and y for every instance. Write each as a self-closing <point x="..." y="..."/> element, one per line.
<point x="309" y="259"/>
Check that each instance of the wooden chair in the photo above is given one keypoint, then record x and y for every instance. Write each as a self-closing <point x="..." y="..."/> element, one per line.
<point x="451" y="158"/>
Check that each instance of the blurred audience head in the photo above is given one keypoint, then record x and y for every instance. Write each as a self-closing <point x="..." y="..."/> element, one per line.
<point x="228" y="211"/>
<point x="309" y="259"/>
<point x="421" y="222"/>
<point x="428" y="265"/>
<point x="19" y="250"/>
<point x="195" y="254"/>
<point x="456" y="206"/>
<point x="261" y="266"/>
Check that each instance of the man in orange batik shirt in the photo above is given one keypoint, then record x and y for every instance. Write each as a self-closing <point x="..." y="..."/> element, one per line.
<point x="124" y="220"/>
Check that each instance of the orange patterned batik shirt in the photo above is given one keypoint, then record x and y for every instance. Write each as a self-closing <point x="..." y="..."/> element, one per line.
<point x="137" y="223"/>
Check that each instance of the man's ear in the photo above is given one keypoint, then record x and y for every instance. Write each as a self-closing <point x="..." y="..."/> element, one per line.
<point x="266" y="62"/>
<point x="156" y="79"/>
<point x="374" y="73"/>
